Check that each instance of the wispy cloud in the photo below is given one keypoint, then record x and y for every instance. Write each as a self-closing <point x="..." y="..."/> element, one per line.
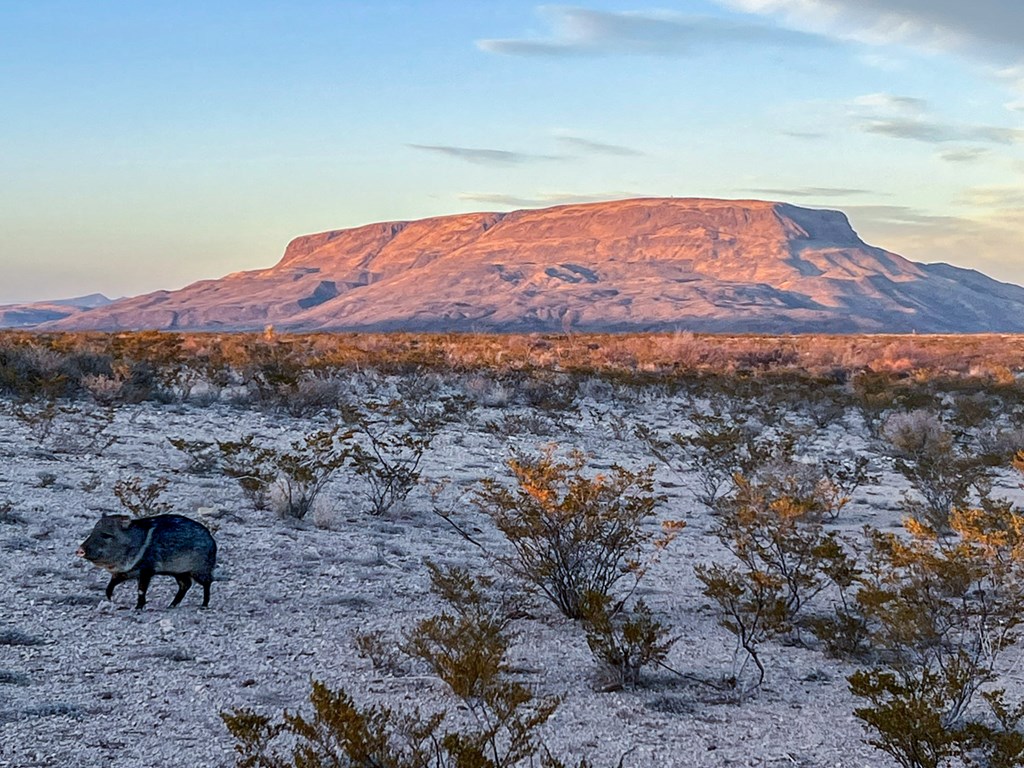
<point x="993" y="197"/>
<point x="892" y="102"/>
<point x="485" y="156"/>
<point x="964" y="154"/>
<point x="907" y="117"/>
<point x="901" y="215"/>
<point x="939" y="132"/>
<point x="583" y="31"/>
<point x="805" y="134"/>
<point x="589" y="146"/>
<point x="542" y="200"/>
<point x="995" y="25"/>
<point x="812" y="192"/>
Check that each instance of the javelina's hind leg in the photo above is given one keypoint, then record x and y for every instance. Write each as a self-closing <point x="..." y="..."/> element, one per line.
<point x="184" y="582"/>
<point x="144" y="578"/>
<point x="206" y="592"/>
<point x="116" y="579"/>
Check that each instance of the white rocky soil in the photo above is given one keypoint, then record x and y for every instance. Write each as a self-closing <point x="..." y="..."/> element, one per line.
<point x="86" y="682"/>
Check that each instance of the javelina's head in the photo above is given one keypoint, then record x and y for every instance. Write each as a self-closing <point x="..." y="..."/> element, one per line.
<point x="109" y="545"/>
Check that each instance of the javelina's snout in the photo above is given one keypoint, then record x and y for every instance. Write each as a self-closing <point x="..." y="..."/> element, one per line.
<point x="80" y="552"/>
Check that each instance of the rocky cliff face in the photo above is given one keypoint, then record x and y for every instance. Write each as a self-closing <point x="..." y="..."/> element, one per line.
<point x="629" y="265"/>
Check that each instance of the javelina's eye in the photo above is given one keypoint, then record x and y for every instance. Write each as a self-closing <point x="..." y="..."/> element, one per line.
<point x="106" y="536"/>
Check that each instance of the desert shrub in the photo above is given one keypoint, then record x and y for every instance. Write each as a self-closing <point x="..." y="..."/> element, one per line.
<point x="67" y="427"/>
<point x="941" y="609"/>
<point x="312" y="394"/>
<point x="938" y="469"/>
<point x="510" y="425"/>
<point x="719" y="449"/>
<point x="142" y="500"/>
<point x="777" y="528"/>
<point x="571" y="534"/>
<point x="752" y="607"/>
<point x="623" y="640"/>
<point x="251" y="465"/>
<point x="384" y="655"/>
<point x="271" y="368"/>
<point x="466" y="646"/>
<point x="394" y="437"/>
<point x="784" y="559"/>
<point x="304" y="470"/>
<point x="203" y="455"/>
<point x="488" y="391"/>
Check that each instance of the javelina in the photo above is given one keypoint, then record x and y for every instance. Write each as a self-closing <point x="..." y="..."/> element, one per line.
<point x="139" y="549"/>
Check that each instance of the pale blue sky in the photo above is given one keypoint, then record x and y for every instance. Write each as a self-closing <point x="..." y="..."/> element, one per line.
<point x="148" y="145"/>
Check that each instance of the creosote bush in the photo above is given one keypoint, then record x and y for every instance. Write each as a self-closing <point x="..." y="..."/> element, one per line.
<point x="300" y="472"/>
<point x="718" y="449"/>
<point x="251" y="465"/>
<point x="574" y="534"/>
<point x="203" y="455"/>
<point x="466" y="647"/>
<point x="784" y="558"/>
<point x="304" y="470"/>
<point x="623" y="640"/>
<point x="941" y="608"/>
<point x="939" y="469"/>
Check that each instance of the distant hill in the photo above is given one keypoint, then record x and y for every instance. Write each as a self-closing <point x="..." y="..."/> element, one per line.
<point x="628" y="265"/>
<point x="36" y="313"/>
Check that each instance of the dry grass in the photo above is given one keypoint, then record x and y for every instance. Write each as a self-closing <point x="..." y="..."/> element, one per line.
<point x="993" y="355"/>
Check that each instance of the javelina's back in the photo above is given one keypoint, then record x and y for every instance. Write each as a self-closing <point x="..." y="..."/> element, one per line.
<point x="139" y="549"/>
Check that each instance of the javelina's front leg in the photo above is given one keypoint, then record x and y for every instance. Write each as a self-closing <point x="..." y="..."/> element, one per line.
<point x="144" y="577"/>
<point x="116" y="579"/>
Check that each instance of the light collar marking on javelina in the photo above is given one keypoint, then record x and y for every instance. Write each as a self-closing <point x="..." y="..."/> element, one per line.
<point x="142" y="553"/>
<point x="140" y="549"/>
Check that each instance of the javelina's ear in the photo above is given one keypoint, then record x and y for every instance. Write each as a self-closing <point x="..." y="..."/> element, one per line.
<point x="122" y="520"/>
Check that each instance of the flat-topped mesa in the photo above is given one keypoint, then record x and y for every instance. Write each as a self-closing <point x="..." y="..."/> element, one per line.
<point x="708" y="236"/>
<point x="626" y="265"/>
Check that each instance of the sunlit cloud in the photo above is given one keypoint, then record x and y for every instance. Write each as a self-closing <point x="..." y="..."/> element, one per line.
<point x="906" y="117"/>
<point x="583" y="31"/>
<point x="485" y="156"/>
<point x="997" y="197"/>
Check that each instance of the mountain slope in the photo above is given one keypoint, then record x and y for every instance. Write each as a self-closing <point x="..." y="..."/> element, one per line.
<point x="641" y="264"/>
<point x="34" y="313"/>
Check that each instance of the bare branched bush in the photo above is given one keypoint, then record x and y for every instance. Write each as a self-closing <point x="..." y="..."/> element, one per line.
<point x="394" y="436"/>
<point x="140" y="499"/>
<point x="572" y="534"/>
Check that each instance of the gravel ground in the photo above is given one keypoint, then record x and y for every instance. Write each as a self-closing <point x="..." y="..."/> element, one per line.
<point x="86" y="682"/>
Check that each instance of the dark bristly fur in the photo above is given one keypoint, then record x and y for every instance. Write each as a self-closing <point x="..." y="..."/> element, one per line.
<point x="140" y="549"/>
